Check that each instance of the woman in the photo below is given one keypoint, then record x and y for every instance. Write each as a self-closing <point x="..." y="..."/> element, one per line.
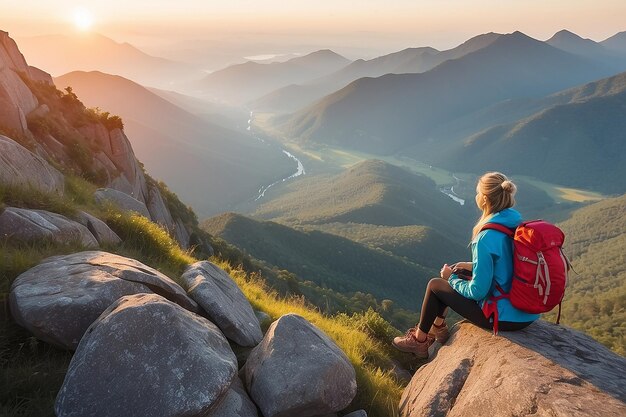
<point x="492" y="264"/>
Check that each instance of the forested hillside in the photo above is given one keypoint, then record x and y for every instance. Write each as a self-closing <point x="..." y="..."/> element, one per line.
<point x="595" y="301"/>
<point x="371" y="192"/>
<point x="328" y="260"/>
<point x="587" y="134"/>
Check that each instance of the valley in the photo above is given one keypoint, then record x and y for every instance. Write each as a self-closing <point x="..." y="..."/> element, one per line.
<point x="324" y="182"/>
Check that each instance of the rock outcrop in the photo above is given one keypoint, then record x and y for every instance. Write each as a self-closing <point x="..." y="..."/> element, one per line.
<point x="216" y="292"/>
<point x="113" y="157"/>
<point x="543" y="370"/>
<point x="16" y="99"/>
<point x="20" y="167"/>
<point x="146" y="356"/>
<point x="99" y="229"/>
<point x="122" y="200"/>
<point x="62" y="296"/>
<point x="298" y="371"/>
<point x="22" y="225"/>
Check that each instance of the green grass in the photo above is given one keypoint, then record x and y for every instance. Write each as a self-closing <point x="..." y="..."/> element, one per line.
<point x="149" y="242"/>
<point x="32" y="372"/>
<point x="377" y="390"/>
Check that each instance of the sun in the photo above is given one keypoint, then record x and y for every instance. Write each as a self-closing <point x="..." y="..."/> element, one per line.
<point x="83" y="19"/>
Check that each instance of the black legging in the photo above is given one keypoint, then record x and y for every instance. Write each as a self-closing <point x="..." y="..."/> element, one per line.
<point x="440" y="295"/>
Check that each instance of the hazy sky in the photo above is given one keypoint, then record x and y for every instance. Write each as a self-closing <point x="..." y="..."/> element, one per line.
<point x="380" y="24"/>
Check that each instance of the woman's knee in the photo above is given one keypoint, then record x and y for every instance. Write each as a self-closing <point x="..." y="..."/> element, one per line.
<point x="437" y="284"/>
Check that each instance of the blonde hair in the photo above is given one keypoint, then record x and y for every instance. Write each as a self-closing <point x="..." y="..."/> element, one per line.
<point x="500" y="193"/>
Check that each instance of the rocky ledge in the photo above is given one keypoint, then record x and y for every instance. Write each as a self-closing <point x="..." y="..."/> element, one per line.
<point x="543" y="370"/>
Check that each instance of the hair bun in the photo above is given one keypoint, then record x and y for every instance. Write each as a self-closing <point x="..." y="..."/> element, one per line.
<point x="508" y="186"/>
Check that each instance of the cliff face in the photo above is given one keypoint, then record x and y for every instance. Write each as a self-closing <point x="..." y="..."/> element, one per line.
<point x="543" y="370"/>
<point x="53" y="125"/>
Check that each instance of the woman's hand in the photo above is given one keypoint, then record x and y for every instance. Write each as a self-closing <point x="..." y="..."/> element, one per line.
<point x="462" y="265"/>
<point x="445" y="272"/>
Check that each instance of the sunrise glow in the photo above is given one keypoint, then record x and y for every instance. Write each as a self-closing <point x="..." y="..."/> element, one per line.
<point x="83" y="19"/>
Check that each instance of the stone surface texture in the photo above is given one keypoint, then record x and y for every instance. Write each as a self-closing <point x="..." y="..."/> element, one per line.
<point x="543" y="370"/>
<point x="236" y="403"/>
<point x="99" y="229"/>
<point x="62" y="296"/>
<point x="21" y="168"/>
<point x="298" y="371"/>
<point x="122" y="200"/>
<point x="26" y="225"/>
<point x="216" y="292"/>
<point x="146" y="356"/>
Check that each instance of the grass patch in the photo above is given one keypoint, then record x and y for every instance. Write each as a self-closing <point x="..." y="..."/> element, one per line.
<point x="564" y="194"/>
<point x="19" y="196"/>
<point x="578" y="196"/>
<point x="32" y="372"/>
<point x="149" y="242"/>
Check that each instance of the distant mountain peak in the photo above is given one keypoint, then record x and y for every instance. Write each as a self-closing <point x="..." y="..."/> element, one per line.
<point x="616" y="42"/>
<point x="566" y="35"/>
<point x="518" y="35"/>
<point x="322" y="54"/>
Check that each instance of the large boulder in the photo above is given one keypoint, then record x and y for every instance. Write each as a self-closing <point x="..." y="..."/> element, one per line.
<point x="298" y="371"/>
<point x="216" y="292"/>
<point x="21" y="168"/>
<point x="23" y="225"/>
<point x="543" y="370"/>
<point x="99" y="229"/>
<point x="235" y="403"/>
<point x="122" y="200"/>
<point x="146" y="356"/>
<point x="59" y="299"/>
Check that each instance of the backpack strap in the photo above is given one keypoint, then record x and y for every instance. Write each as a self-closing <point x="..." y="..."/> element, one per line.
<point x="500" y="228"/>
<point x="490" y="307"/>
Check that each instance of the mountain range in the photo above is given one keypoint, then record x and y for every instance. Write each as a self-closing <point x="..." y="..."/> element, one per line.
<point x="61" y="54"/>
<point x="386" y="114"/>
<point x="238" y="84"/>
<point x="418" y="60"/>
<point x="579" y="142"/>
<point x="184" y="149"/>
<point x="410" y="60"/>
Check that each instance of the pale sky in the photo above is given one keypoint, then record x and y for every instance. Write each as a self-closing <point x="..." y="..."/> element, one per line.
<point x="391" y="24"/>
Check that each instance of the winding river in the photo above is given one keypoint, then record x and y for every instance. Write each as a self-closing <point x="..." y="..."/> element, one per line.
<point x="449" y="191"/>
<point x="299" y="171"/>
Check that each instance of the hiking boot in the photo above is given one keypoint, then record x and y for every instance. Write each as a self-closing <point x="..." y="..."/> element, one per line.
<point x="439" y="333"/>
<point x="409" y="343"/>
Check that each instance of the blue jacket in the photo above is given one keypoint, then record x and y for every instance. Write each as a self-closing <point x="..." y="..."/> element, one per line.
<point x="492" y="262"/>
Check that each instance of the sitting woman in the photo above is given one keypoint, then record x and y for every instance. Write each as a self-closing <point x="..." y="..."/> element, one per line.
<point x="492" y="264"/>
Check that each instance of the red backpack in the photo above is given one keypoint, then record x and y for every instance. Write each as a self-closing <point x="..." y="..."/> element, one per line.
<point x="539" y="269"/>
